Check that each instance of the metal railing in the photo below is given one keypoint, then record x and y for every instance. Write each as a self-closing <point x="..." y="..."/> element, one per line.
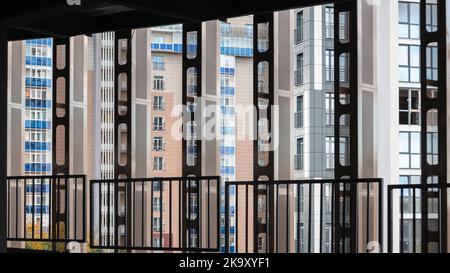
<point x="161" y="214"/>
<point x="298" y="35"/>
<point x="298" y="119"/>
<point x="303" y="216"/>
<point x="299" y="162"/>
<point x="417" y="218"/>
<point x="46" y="208"/>
<point x="299" y="77"/>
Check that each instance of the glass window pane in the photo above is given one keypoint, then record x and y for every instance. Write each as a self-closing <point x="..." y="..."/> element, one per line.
<point x="404" y="74"/>
<point x="415" y="75"/>
<point x="414" y="32"/>
<point x="403" y="101"/>
<point x="414" y="57"/>
<point x="403" y="161"/>
<point x="403" y="12"/>
<point x="415" y="161"/>
<point x="403" y="55"/>
<point x="403" y="31"/>
<point x="415" y="143"/>
<point x="404" y="143"/>
<point x="414" y="16"/>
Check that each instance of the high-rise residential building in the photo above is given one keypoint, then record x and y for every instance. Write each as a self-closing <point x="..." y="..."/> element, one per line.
<point x="38" y="125"/>
<point x="389" y="137"/>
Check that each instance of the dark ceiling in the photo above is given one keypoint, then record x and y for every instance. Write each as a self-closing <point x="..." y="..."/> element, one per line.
<point x="45" y="18"/>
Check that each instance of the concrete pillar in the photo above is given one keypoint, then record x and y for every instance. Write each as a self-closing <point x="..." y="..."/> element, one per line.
<point x="80" y="87"/>
<point x="386" y="103"/>
<point x="16" y="133"/>
<point x="141" y="127"/>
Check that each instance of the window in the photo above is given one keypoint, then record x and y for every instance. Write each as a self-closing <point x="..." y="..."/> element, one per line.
<point x="408" y="194"/>
<point x="431" y="17"/>
<point x="302" y="239"/>
<point x="409" y="61"/>
<point x="329" y="22"/>
<point x="158" y="103"/>
<point x="329" y="109"/>
<point x="432" y="148"/>
<point x="299" y="30"/>
<point x="158" y="123"/>
<point x="299" y="112"/>
<point x="158" y="164"/>
<point x="409" y="107"/>
<point x="156" y="204"/>
<point x="158" y="39"/>
<point x="409" y="147"/>
<point x="158" y="63"/>
<point x="299" y="72"/>
<point x="299" y="156"/>
<point x="409" y="20"/>
<point x="156" y="224"/>
<point x="158" y="82"/>
<point x="329" y="152"/>
<point x="299" y="103"/>
<point x="158" y="144"/>
<point x="157" y="241"/>
<point x="432" y="63"/>
<point x="329" y="65"/>
<point x="344" y="151"/>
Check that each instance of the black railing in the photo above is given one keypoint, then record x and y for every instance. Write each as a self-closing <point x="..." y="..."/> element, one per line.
<point x="298" y="76"/>
<point x="298" y="119"/>
<point x="161" y="214"/>
<point x="310" y="216"/>
<point x="298" y="35"/>
<point x="417" y="218"/>
<point x="46" y="208"/>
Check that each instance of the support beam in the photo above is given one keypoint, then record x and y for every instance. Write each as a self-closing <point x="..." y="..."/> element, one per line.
<point x="433" y="78"/>
<point x="346" y="123"/>
<point x="155" y="11"/>
<point x="122" y="129"/>
<point x="60" y="130"/>
<point x="263" y="101"/>
<point x="192" y="124"/>
<point x="3" y="133"/>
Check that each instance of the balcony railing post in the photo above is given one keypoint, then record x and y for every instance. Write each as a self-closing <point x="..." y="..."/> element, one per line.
<point x="123" y="168"/>
<point x="263" y="30"/>
<point x="346" y="44"/>
<point x="433" y="104"/>
<point x="192" y="70"/>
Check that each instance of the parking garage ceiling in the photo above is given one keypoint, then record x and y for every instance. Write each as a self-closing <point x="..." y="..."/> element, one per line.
<point x="63" y="18"/>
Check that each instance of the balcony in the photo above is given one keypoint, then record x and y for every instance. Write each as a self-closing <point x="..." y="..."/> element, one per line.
<point x="298" y="35"/>
<point x="298" y="77"/>
<point x="299" y="162"/>
<point x="298" y="120"/>
<point x="304" y="206"/>
<point x="300" y="203"/>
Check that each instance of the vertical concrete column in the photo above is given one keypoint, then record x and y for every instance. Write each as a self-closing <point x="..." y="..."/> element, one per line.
<point x="141" y="130"/>
<point x="386" y="102"/>
<point x="211" y="94"/>
<point x="211" y="105"/>
<point x="16" y="134"/>
<point x="284" y="155"/>
<point x="78" y="131"/>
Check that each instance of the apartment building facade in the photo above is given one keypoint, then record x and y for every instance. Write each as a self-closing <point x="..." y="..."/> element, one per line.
<point x="306" y="99"/>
